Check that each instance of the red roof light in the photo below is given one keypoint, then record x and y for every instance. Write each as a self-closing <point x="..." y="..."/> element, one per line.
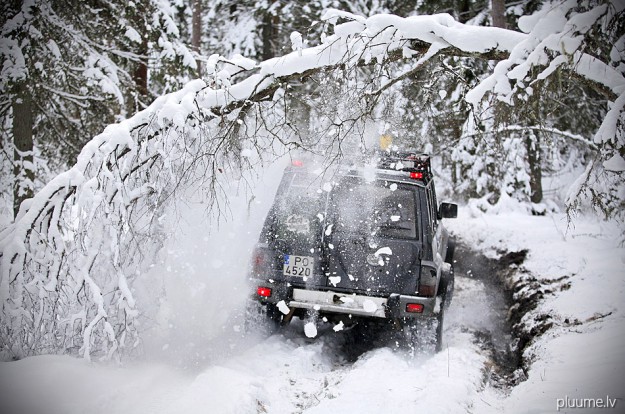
<point x="297" y="163"/>
<point x="416" y="175"/>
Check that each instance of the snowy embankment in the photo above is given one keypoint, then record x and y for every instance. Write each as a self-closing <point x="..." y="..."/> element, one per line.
<point x="205" y="365"/>
<point x="575" y="275"/>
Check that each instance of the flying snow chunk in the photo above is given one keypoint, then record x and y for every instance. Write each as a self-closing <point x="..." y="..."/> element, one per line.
<point x="383" y="250"/>
<point x="329" y="230"/>
<point x="369" y="306"/>
<point x="283" y="308"/>
<point x="338" y="327"/>
<point x="310" y="329"/>
<point x="335" y="280"/>
<point x="369" y="172"/>
<point x="54" y="48"/>
<point x="395" y="218"/>
<point x="393" y="187"/>
<point x="327" y="187"/>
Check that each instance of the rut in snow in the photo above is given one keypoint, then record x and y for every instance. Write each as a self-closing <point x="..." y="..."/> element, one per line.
<point x="488" y="310"/>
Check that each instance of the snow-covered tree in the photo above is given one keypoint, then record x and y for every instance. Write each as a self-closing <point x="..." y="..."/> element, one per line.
<point x="69" y="259"/>
<point x="69" y="69"/>
<point x="585" y="42"/>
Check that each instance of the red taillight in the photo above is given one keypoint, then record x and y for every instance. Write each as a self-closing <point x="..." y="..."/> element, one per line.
<point x="260" y="262"/>
<point x="414" y="307"/>
<point x="428" y="291"/>
<point x="416" y="175"/>
<point x="297" y="163"/>
<point x="263" y="292"/>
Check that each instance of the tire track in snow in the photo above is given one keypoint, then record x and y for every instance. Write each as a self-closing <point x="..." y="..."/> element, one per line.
<point x="288" y="373"/>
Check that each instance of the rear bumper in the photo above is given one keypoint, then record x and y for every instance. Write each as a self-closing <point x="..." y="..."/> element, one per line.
<point x="328" y="301"/>
<point x="333" y="302"/>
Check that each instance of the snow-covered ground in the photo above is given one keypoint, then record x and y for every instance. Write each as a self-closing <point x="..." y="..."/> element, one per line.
<point x="196" y="360"/>
<point x="284" y="373"/>
<point x="581" y="271"/>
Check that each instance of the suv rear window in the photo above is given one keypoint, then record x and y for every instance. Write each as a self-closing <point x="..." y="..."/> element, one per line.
<point x="379" y="209"/>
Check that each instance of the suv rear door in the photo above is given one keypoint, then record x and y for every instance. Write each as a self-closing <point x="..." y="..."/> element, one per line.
<point x="372" y="238"/>
<point x="293" y="229"/>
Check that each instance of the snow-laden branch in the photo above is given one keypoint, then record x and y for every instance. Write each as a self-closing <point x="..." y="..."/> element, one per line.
<point x="545" y="130"/>
<point x="557" y="41"/>
<point x="551" y="33"/>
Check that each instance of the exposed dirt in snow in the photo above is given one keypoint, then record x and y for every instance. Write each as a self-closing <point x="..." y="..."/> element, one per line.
<point x="499" y="338"/>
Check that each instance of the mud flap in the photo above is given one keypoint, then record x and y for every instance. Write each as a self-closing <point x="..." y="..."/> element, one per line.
<point x="446" y="287"/>
<point x="451" y="249"/>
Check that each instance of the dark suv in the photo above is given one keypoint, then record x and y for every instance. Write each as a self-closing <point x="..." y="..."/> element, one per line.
<point x="357" y="244"/>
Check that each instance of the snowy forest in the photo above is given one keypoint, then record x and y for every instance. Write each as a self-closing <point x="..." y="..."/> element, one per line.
<point x="144" y="136"/>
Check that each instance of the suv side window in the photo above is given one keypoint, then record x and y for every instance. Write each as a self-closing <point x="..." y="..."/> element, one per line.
<point x="431" y="206"/>
<point x="434" y="201"/>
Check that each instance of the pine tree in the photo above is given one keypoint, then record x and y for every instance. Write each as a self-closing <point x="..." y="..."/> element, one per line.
<point x="69" y="69"/>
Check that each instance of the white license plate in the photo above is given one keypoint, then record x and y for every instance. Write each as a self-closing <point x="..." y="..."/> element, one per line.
<point x="301" y="266"/>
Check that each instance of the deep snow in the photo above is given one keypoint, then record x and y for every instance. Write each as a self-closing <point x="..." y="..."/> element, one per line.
<point x="197" y="361"/>
<point x="284" y="373"/>
<point x="581" y="269"/>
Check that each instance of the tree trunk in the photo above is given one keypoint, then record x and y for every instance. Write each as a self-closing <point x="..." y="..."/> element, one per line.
<point x="268" y="35"/>
<point x="532" y="145"/>
<point x="498" y="13"/>
<point x="464" y="11"/>
<point x="141" y="72"/>
<point x="23" y="165"/>
<point x="196" y="32"/>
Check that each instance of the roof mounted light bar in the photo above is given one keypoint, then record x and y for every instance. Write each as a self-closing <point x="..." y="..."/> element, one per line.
<point x="417" y="164"/>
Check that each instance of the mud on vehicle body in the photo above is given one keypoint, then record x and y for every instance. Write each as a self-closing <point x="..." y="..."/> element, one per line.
<point x="368" y="244"/>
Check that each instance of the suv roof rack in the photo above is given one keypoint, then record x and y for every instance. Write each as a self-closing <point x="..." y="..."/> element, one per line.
<point x="417" y="164"/>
